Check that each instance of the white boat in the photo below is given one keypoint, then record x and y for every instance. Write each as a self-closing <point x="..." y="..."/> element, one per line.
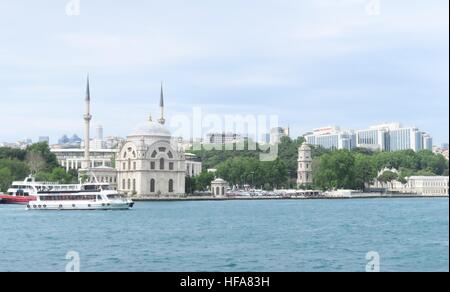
<point x="92" y="196"/>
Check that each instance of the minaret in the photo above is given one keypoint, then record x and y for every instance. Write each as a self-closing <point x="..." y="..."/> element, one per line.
<point x="162" y="121"/>
<point x="87" y="121"/>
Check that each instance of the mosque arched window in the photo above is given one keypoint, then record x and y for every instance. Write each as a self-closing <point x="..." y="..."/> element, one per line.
<point x="161" y="164"/>
<point x="154" y="154"/>
<point x="134" y="185"/>
<point x="123" y="184"/>
<point x="170" y="155"/>
<point x="129" y="184"/>
<point x="170" y="185"/>
<point x="152" y="186"/>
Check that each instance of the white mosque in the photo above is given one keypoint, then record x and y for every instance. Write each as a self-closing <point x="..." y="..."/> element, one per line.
<point x="148" y="163"/>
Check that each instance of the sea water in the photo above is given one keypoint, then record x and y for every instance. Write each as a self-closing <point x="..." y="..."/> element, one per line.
<point x="283" y="235"/>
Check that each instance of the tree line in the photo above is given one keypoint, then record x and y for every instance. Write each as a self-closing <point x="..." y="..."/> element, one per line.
<point x="333" y="169"/>
<point x="357" y="168"/>
<point x="36" y="159"/>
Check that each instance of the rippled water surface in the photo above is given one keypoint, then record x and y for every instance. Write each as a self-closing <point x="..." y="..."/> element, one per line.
<point x="317" y="235"/>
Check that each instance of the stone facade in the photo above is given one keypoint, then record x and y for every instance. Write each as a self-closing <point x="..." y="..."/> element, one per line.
<point x="148" y="163"/>
<point x="219" y="187"/>
<point x="305" y="174"/>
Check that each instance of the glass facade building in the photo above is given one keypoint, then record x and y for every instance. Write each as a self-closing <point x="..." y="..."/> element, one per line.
<point x="386" y="137"/>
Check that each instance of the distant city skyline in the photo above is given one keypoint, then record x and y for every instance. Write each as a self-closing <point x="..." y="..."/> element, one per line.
<point x="207" y="137"/>
<point x="312" y="62"/>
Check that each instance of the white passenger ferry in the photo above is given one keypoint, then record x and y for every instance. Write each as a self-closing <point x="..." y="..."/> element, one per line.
<point x="90" y="196"/>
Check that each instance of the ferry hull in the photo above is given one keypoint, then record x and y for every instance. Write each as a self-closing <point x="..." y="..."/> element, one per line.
<point x="19" y="200"/>
<point x="79" y="206"/>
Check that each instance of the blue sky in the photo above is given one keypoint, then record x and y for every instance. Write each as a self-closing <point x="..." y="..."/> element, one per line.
<point x="312" y="62"/>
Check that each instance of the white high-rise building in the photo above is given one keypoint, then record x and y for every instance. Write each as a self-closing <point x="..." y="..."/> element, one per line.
<point x="100" y="132"/>
<point x="393" y="137"/>
<point x="332" y="138"/>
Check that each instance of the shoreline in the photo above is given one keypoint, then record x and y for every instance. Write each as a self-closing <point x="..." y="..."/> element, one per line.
<point x="210" y="198"/>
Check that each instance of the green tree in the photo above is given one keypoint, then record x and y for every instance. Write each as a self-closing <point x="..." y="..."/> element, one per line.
<point x="5" y="179"/>
<point x="43" y="149"/>
<point x="388" y="177"/>
<point x="365" y="170"/>
<point x="335" y="170"/>
<point x="35" y="162"/>
<point x="190" y="185"/>
<point x="203" y="181"/>
<point x="12" y="153"/>
<point x="18" y="169"/>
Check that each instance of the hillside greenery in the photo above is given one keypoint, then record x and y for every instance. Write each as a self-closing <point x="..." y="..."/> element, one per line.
<point x="17" y="164"/>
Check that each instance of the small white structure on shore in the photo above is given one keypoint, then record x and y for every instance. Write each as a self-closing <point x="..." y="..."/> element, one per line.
<point x="340" y="194"/>
<point x="219" y="187"/>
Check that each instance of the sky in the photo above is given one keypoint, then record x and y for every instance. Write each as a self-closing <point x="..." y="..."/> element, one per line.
<point x="314" y="63"/>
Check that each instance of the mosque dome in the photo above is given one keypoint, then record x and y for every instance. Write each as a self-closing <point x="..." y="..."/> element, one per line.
<point x="150" y="129"/>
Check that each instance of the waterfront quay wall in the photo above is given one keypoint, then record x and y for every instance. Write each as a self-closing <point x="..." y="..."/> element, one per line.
<point x="262" y="198"/>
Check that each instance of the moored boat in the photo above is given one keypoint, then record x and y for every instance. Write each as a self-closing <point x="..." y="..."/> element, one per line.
<point x="22" y="192"/>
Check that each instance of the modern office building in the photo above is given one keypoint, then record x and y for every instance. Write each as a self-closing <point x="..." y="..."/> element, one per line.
<point x="393" y="137"/>
<point x="427" y="141"/>
<point x="332" y="138"/>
